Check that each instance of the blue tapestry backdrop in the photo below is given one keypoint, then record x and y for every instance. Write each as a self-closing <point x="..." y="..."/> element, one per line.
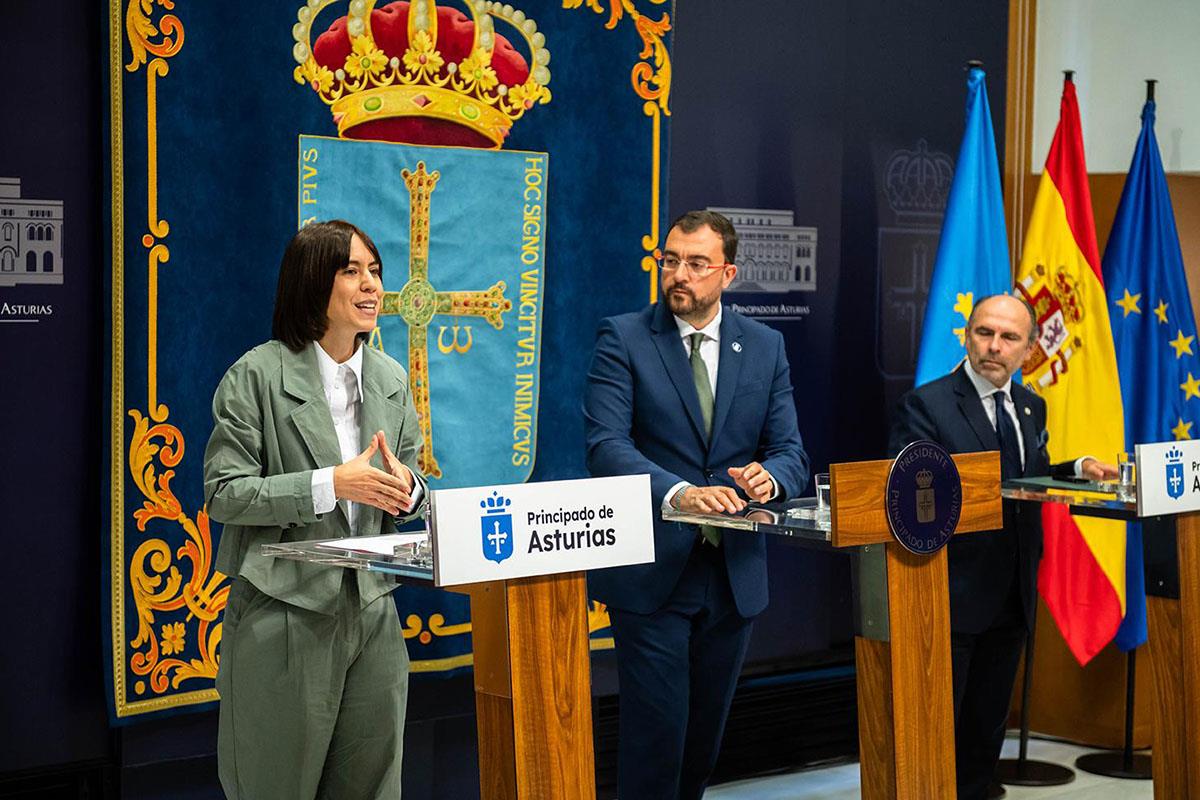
<point x="207" y="110"/>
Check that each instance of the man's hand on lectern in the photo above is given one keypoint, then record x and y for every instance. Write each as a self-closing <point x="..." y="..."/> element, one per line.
<point x="710" y="500"/>
<point x="755" y="481"/>
<point x="1096" y="470"/>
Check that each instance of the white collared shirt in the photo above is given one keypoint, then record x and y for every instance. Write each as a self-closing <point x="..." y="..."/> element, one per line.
<point x="710" y="345"/>
<point x="986" y="389"/>
<point x="342" y="384"/>
<point x="710" y="354"/>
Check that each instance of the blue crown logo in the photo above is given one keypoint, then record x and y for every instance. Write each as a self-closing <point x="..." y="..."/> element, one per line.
<point x="496" y="528"/>
<point x="1174" y="473"/>
<point x="496" y="504"/>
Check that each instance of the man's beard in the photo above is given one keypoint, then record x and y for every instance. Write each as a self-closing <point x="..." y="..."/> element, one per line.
<point x="684" y="302"/>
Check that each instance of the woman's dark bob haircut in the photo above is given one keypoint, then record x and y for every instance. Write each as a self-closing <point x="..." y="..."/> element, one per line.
<point x="310" y="263"/>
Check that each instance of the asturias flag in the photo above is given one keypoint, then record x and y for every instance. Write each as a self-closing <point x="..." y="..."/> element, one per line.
<point x="972" y="257"/>
<point x="1073" y="367"/>
<point x="1154" y="331"/>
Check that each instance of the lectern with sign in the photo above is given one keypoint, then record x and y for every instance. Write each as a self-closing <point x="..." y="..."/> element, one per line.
<point x="1168" y="485"/>
<point x="905" y="694"/>
<point x="519" y="552"/>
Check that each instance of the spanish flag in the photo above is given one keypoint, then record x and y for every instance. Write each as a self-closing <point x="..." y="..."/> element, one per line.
<point x="1074" y="368"/>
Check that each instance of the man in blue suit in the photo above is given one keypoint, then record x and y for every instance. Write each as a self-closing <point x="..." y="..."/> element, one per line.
<point x="700" y="398"/>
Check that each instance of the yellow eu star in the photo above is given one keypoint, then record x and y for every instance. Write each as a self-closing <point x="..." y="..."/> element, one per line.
<point x="1191" y="388"/>
<point x="1182" y="344"/>
<point x="1129" y="303"/>
<point x="1182" y="430"/>
<point x="1160" y="311"/>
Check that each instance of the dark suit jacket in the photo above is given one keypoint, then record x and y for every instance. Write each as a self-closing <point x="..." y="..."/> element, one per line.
<point x="642" y="415"/>
<point x="949" y="411"/>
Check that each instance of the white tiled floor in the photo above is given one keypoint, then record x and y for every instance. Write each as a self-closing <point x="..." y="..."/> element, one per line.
<point x="841" y="782"/>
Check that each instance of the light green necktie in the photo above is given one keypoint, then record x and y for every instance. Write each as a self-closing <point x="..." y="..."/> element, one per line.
<point x="705" y="394"/>
<point x="703" y="387"/>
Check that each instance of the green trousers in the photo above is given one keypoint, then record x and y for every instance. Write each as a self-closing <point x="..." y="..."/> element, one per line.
<point x="312" y="705"/>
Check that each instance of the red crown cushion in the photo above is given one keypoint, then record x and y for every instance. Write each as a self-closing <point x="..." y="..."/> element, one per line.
<point x="389" y="28"/>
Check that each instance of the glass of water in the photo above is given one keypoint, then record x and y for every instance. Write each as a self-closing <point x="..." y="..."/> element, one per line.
<point x="1126" y="477"/>
<point x="821" y="481"/>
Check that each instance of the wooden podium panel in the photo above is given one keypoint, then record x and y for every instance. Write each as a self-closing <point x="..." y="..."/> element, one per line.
<point x="905" y="686"/>
<point x="533" y="688"/>
<point x="905" y="690"/>
<point x="1175" y="630"/>
<point x="857" y="503"/>
<point x="922" y="687"/>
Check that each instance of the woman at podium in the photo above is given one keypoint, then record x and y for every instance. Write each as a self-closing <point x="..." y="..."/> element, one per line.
<point x="315" y="437"/>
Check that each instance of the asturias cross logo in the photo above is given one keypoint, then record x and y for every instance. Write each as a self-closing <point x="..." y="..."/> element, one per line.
<point x="1175" y="478"/>
<point x="496" y="528"/>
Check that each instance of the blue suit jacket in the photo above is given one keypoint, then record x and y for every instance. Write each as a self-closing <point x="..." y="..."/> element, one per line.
<point x="949" y="411"/>
<point x="642" y="415"/>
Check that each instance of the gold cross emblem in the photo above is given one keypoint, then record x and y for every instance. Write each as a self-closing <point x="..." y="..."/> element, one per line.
<point x="417" y="303"/>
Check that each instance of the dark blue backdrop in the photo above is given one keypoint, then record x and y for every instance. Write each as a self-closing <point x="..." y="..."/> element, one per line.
<point x="804" y="106"/>
<point x="785" y="104"/>
<point x="52" y="701"/>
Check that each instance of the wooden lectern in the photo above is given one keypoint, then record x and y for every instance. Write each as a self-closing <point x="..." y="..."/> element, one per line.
<point x="905" y="689"/>
<point x="1174" y="625"/>
<point x="1174" y="628"/>
<point x="529" y="609"/>
<point x="533" y="696"/>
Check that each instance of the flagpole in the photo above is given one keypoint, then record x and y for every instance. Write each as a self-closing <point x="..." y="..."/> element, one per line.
<point x="1022" y="770"/>
<point x="1123" y="763"/>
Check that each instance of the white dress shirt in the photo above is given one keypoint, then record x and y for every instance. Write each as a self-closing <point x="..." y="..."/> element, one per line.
<point x="342" y="384"/>
<point x="986" y="389"/>
<point x="710" y="354"/>
<point x="343" y="391"/>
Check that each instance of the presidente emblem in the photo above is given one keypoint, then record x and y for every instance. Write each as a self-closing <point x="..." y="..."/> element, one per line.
<point x="496" y="528"/>
<point x="1175" y="479"/>
<point x="924" y="497"/>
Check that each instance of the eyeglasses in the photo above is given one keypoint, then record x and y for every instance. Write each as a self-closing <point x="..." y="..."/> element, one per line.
<point x="697" y="269"/>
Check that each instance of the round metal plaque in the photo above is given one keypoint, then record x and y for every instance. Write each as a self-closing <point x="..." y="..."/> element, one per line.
<point x="924" y="497"/>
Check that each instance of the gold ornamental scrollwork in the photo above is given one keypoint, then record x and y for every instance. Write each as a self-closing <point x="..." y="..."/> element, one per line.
<point x="177" y="595"/>
<point x="156" y="580"/>
<point x="651" y="80"/>
<point x="163" y="39"/>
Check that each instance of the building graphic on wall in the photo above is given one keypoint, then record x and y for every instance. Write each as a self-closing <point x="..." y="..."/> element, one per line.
<point x="774" y="254"/>
<point x="30" y="237"/>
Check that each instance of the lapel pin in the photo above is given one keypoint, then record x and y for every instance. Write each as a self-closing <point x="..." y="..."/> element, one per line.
<point x="737" y="347"/>
<point x="1027" y="411"/>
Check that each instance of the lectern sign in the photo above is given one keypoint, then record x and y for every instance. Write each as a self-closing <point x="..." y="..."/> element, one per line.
<point x="518" y="530"/>
<point x="924" y="497"/>
<point x="1168" y="478"/>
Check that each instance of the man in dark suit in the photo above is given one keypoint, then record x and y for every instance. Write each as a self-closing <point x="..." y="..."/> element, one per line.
<point x="993" y="575"/>
<point x="681" y="624"/>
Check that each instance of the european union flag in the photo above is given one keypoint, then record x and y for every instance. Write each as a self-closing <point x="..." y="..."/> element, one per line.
<point x="1154" y="331"/>
<point x="972" y="257"/>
